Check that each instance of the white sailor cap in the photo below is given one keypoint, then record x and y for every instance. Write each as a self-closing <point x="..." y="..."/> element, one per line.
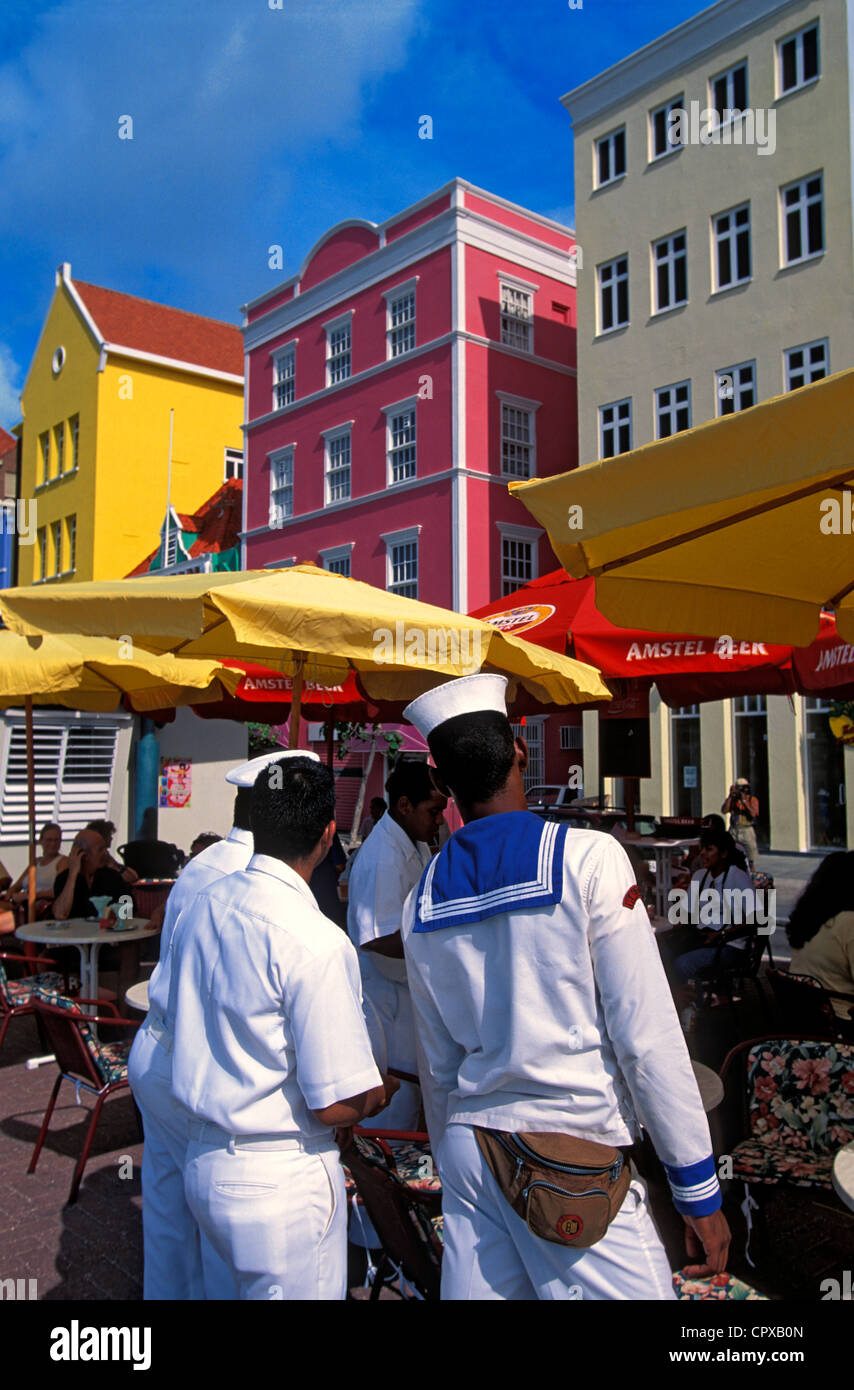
<point x="246" y="773"/>
<point x="468" y="695"/>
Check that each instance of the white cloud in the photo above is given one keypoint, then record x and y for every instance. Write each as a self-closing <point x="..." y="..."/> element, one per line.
<point x="10" y="388"/>
<point x="221" y="94"/>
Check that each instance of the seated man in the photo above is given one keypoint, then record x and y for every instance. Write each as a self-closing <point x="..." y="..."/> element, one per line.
<point x="722" y="902"/>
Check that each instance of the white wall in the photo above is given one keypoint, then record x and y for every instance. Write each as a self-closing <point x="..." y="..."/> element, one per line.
<point x="214" y="745"/>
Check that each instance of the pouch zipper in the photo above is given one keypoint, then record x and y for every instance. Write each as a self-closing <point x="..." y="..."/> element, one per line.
<point x="576" y="1170"/>
<point x="550" y="1187"/>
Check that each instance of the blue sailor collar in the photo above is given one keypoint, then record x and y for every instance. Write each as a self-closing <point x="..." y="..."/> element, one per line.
<point x="490" y="866"/>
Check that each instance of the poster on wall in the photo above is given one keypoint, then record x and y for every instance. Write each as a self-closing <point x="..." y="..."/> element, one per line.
<point x="176" y="779"/>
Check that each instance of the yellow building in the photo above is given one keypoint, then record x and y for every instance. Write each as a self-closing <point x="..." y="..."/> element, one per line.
<point x="109" y="372"/>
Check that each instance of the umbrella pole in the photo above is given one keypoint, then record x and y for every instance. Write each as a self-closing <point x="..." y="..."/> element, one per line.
<point x="296" y="701"/>
<point x="31" y="807"/>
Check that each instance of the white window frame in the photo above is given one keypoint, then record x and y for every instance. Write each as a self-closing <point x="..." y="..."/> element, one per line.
<point x="71" y="533"/>
<point x="235" y="458"/>
<point x="74" y="433"/>
<point x="730" y="237"/>
<point x="337" y="554"/>
<point x="330" y="438"/>
<point x="615" y="279"/>
<point x="672" y="408"/>
<point x="798" y="39"/>
<point x="525" y="407"/>
<point x="61" y="797"/>
<point x="610" y="140"/>
<point x="44" y="449"/>
<point x="338" y="325"/>
<point x="739" y="387"/>
<point x="522" y="535"/>
<point x="59" y="445"/>
<point x="392" y="297"/>
<point x="805" y="201"/>
<point x="669" y="260"/>
<point x="284" y="383"/>
<point x="727" y="75"/>
<point x="280" y="512"/>
<point x="616" y="424"/>
<point x="392" y="450"/>
<point x="392" y="539"/>
<point x="674" y="104"/>
<point x="512" y="324"/>
<point x="789" y="371"/>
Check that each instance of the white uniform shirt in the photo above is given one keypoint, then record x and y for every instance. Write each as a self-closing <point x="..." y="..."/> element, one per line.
<point x="559" y="1018"/>
<point x="387" y="866"/>
<point x="708" y="906"/>
<point x="265" y="1006"/>
<point x="224" y="857"/>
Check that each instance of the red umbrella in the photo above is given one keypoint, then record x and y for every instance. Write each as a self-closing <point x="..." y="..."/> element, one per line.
<point x="560" y="613"/>
<point x="827" y="664"/>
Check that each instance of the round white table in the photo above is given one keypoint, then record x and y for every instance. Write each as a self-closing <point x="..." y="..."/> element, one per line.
<point x="709" y="1085"/>
<point x="88" y="938"/>
<point x="843" y="1175"/>
<point x="137" y="996"/>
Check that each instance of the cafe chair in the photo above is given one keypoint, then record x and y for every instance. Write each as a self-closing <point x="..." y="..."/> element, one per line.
<point x="796" y="1113"/>
<point x="729" y="980"/>
<point x="18" y="996"/>
<point x="805" y="1005"/>
<point x="714" y="1289"/>
<point x="395" y="1181"/>
<point x="84" y="1060"/>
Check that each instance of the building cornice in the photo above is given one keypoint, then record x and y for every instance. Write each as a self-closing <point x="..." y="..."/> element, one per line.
<point x="719" y="26"/>
<point x="371" y="498"/>
<point x="173" y="363"/>
<point x="357" y="378"/>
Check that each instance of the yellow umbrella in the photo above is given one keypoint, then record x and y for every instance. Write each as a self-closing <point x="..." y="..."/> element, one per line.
<point x="305" y="622"/>
<point x="741" y="526"/>
<point x="92" y="673"/>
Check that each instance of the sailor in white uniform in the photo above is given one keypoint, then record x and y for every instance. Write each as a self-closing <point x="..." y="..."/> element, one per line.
<point x="271" y="1051"/>
<point x="172" y="1267"/>
<point x="389" y="864"/>
<point x="541" y="1005"/>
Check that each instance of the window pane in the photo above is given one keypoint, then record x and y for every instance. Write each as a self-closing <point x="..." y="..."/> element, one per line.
<point x="604" y="162"/>
<point x="660" y="132"/>
<point x="724" y="263"/>
<point x="815" y="238"/>
<point x="810" y="53"/>
<point x="793" y="236"/>
<point x="620" y="152"/>
<point x="623" y="301"/>
<point x="743" y="254"/>
<point x="719" y="97"/>
<point x="681" y="278"/>
<point x="739" y="84"/>
<point x="787" y="53"/>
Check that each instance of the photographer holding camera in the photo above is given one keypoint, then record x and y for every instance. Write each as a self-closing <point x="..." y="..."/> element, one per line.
<point x="743" y="812"/>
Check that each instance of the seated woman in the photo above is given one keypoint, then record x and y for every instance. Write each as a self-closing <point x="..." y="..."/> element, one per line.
<point x="107" y="830"/>
<point x="721" y="905"/>
<point x="821" y="929"/>
<point x="48" y="864"/>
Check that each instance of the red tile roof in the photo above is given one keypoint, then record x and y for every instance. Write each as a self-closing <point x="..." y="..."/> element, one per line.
<point x="217" y="524"/>
<point x="7" y="441"/>
<point x="126" y="321"/>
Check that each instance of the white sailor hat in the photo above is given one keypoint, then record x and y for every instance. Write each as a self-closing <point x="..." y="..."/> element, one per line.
<point x="468" y="695"/>
<point x="246" y="773"/>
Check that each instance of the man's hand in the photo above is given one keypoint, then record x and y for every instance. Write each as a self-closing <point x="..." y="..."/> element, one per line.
<point x="711" y="1236"/>
<point x="390" y="1086"/>
<point x="75" y="860"/>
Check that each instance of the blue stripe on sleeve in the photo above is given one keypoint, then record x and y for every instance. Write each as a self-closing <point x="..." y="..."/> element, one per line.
<point x="695" y="1187"/>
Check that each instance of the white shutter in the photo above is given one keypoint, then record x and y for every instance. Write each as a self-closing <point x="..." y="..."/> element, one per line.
<point x="73" y="776"/>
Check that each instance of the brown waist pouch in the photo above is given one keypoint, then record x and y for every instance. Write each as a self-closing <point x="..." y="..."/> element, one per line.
<point x="567" y="1190"/>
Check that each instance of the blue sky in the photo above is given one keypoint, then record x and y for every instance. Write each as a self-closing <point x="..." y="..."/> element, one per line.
<point x="255" y="126"/>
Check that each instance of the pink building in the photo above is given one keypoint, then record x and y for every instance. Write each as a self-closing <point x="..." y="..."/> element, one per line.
<point x="396" y="384"/>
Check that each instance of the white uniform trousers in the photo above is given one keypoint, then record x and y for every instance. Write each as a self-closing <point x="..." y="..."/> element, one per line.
<point x="388" y="1012"/>
<point x="178" y="1262"/>
<point x="274" y="1210"/>
<point x="491" y="1254"/>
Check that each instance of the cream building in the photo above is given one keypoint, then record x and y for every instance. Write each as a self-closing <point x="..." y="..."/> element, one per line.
<point x="713" y="198"/>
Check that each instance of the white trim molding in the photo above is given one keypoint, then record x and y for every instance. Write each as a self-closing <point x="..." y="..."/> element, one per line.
<point x="404" y="287"/>
<point x="339" y="321"/>
<point x="336" y="552"/>
<point x="519" y="533"/>
<point x="409" y="533"/>
<point x="410" y="403"/>
<point x="337" y="429"/>
<point x="519" y="402"/>
<point x="508" y="278"/>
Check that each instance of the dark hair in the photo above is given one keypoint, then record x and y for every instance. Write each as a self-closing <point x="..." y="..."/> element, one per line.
<point x="473" y="754"/>
<point x="712" y="837"/>
<point x="713" y="821"/>
<point x="410" y="778"/>
<point x="203" y="841"/>
<point x="293" y="801"/>
<point x="242" y="819"/>
<point x="829" y="891"/>
<point x="378" y="801"/>
<point x="104" y="828"/>
<point x="49" y="825"/>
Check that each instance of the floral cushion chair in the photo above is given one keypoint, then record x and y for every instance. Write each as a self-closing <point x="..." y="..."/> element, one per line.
<point x="800" y="1112"/>
<point x="17" y="997"/>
